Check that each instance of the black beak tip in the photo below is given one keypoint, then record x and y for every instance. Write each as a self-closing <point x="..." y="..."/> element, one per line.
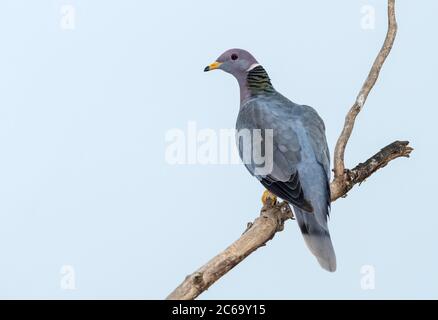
<point x="207" y="68"/>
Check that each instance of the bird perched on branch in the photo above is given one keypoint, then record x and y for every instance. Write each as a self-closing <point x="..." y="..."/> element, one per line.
<point x="291" y="142"/>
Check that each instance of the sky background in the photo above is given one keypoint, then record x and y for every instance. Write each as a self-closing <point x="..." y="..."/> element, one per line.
<point x="85" y="186"/>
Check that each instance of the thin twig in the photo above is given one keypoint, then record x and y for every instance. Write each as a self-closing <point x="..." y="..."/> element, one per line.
<point x="362" y="171"/>
<point x="339" y="166"/>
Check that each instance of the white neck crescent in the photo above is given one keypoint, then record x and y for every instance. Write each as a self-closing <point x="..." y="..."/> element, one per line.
<point x="255" y="65"/>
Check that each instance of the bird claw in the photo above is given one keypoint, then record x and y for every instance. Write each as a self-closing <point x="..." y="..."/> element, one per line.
<point x="269" y="199"/>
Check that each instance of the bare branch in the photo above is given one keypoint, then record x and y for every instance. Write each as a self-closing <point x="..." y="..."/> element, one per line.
<point x="271" y="221"/>
<point x="339" y="165"/>
<point x="273" y="216"/>
<point x="262" y="230"/>
<point x="362" y="171"/>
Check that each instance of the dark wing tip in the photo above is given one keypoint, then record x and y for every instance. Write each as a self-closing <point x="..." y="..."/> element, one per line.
<point x="290" y="191"/>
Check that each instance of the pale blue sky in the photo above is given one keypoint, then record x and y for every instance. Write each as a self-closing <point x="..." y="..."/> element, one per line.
<point x="83" y="116"/>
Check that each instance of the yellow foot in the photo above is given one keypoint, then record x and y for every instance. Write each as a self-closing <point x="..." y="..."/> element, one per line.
<point x="268" y="196"/>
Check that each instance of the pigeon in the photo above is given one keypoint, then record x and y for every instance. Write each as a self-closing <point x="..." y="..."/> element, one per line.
<point x="294" y="135"/>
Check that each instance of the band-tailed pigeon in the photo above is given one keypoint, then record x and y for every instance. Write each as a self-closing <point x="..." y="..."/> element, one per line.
<point x="299" y="171"/>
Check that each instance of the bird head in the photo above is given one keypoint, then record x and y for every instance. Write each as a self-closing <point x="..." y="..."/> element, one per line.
<point x="234" y="61"/>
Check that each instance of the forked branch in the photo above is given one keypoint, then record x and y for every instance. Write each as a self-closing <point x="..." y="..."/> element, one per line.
<point x="273" y="216"/>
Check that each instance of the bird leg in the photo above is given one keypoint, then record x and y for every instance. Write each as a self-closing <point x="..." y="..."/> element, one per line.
<point x="269" y="198"/>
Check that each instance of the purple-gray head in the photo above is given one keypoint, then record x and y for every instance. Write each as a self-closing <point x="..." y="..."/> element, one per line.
<point x="252" y="78"/>
<point x="234" y="61"/>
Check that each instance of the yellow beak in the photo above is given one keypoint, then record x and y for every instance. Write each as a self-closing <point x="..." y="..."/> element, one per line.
<point x="213" y="66"/>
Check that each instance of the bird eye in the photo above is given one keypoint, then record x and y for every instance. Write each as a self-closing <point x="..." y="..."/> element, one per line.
<point x="234" y="56"/>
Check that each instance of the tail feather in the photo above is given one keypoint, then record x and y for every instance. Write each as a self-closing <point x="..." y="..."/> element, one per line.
<point x="317" y="238"/>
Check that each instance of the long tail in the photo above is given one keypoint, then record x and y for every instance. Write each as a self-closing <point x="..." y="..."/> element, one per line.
<point x="317" y="238"/>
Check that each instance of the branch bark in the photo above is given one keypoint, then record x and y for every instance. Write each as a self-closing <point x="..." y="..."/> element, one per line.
<point x="339" y="165"/>
<point x="273" y="215"/>
<point x="362" y="171"/>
